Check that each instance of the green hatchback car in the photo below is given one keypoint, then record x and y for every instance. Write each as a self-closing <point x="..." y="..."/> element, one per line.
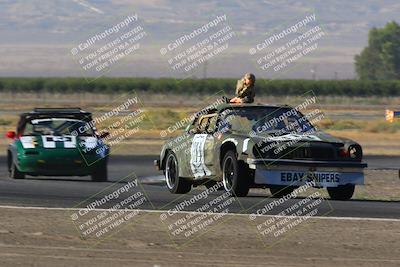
<point x="57" y="142"/>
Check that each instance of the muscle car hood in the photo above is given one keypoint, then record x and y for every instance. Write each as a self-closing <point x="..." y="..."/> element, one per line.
<point x="317" y="136"/>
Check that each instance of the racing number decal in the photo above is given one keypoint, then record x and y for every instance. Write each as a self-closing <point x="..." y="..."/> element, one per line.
<point x="197" y="164"/>
<point x="69" y="142"/>
<point x="294" y="137"/>
<point x="49" y="141"/>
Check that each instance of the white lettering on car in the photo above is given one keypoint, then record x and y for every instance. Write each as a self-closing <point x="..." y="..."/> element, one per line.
<point x="318" y="177"/>
<point x="49" y="141"/>
<point x="197" y="163"/>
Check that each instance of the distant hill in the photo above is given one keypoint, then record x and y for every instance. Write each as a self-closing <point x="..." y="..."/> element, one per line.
<point x="37" y="35"/>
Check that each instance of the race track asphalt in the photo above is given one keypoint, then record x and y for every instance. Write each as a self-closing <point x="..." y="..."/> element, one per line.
<point x="69" y="192"/>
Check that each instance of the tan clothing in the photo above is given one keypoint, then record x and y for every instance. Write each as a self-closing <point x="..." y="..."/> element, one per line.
<point x="247" y="94"/>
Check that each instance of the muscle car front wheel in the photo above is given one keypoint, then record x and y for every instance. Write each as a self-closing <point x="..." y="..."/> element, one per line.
<point x="175" y="184"/>
<point x="235" y="175"/>
<point x="342" y="192"/>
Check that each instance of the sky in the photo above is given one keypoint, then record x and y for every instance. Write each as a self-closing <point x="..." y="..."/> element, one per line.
<point x="160" y="38"/>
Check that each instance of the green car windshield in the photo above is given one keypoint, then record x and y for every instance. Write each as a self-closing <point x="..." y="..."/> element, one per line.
<point x="269" y="120"/>
<point x="57" y="127"/>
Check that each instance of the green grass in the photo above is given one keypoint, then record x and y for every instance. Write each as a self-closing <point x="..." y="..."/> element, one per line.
<point x="339" y="125"/>
<point x="384" y="127"/>
<point x="4" y="122"/>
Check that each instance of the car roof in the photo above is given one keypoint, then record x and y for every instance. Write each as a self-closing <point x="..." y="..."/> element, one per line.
<point x="56" y="111"/>
<point x="43" y="113"/>
<point x="255" y="105"/>
<point x="221" y="107"/>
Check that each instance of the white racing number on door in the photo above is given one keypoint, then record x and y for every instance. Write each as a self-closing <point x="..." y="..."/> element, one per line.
<point x="49" y="141"/>
<point x="197" y="163"/>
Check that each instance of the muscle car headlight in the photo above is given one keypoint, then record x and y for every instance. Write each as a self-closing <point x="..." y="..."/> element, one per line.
<point x="355" y="152"/>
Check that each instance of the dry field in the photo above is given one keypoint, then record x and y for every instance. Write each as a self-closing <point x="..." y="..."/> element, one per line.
<point x="361" y="119"/>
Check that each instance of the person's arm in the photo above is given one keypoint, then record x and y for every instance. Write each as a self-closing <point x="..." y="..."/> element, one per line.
<point x="245" y="91"/>
<point x="239" y="87"/>
<point x="248" y="95"/>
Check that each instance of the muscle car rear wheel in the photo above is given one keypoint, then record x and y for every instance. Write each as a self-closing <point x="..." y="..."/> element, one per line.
<point x="175" y="184"/>
<point x="15" y="173"/>
<point x="342" y="192"/>
<point x="235" y="175"/>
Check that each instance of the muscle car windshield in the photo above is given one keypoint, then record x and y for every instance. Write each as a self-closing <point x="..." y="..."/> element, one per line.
<point x="269" y="120"/>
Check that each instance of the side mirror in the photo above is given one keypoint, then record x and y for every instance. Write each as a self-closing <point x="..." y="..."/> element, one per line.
<point x="187" y="128"/>
<point x="103" y="135"/>
<point x="11" y="134"/>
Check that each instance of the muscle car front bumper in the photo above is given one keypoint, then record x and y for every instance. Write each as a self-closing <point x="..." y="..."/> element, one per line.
<point x="297" y="172"/>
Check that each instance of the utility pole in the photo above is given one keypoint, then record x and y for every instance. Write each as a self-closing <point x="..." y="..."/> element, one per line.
<point x="205" y="69"/>
<point x="314" y="72"/>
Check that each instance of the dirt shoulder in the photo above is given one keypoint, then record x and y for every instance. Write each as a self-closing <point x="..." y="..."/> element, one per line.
<point x="48" y="238"/>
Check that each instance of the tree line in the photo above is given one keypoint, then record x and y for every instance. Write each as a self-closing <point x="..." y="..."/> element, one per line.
<point x="201" y="86"/>
<point x="380" y="60"/>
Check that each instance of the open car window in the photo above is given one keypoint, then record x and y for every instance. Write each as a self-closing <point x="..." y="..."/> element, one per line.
<point x="207" y="123"/>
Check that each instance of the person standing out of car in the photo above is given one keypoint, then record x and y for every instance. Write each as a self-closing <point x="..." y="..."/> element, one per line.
<point x="245" y="92"/>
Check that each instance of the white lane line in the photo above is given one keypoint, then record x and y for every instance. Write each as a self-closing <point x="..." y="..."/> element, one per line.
<point x="189" y="212"/>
